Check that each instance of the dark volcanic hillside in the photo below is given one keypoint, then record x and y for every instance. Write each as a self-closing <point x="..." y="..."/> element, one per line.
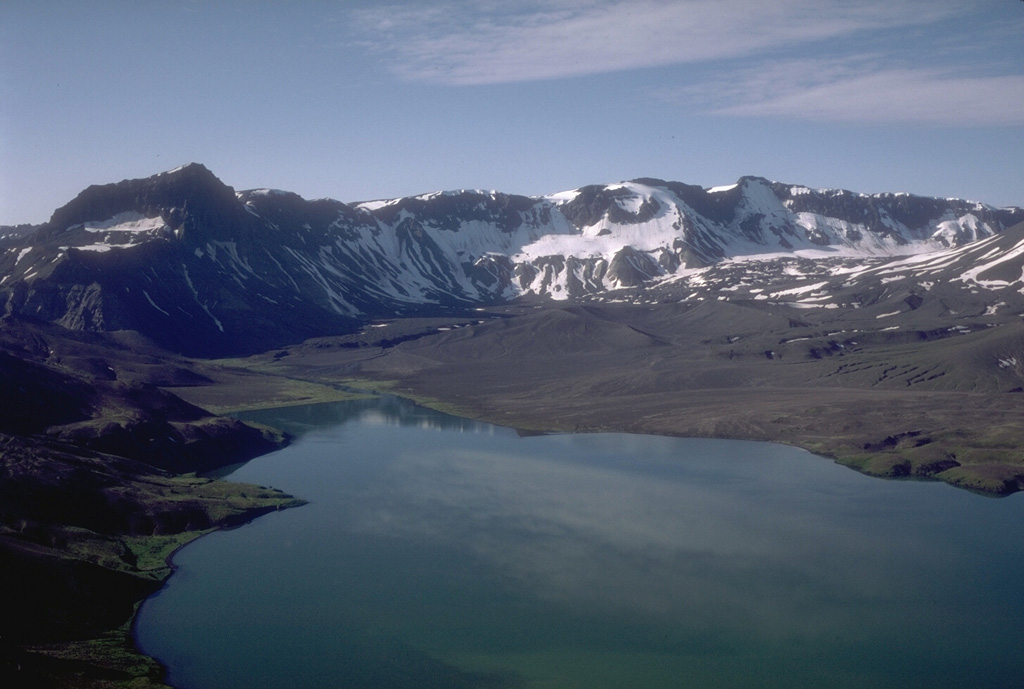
<point x="200" y="269"/>
<point x="98" y="485"/>
<point x="129" y="256"/>
<point x="94" y="394"/>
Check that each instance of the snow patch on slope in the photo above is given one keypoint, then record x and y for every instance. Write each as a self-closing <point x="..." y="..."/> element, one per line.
<point x="129" y="221"/>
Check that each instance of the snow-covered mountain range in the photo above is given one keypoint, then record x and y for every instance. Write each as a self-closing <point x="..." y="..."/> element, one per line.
<point x="202" y="269"/>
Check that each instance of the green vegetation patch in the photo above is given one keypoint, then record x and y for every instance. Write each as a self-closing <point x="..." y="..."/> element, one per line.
<point x="246" y="391"/>
<point x="153" y="553"/>
<point x="999" y="479"/>
<point x="109" y="661"/>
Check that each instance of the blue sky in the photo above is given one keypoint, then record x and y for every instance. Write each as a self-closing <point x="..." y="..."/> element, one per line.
<point x="362" y="100"/>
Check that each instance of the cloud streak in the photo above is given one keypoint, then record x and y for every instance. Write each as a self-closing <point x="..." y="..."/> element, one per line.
<point x="472" y="43"/>
<point x="856" y="89"/>
<point x="483" y="43"/>
<point x="893" y="95"/>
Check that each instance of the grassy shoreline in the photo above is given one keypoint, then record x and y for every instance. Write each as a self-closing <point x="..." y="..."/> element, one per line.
<point x="111" y="659"/>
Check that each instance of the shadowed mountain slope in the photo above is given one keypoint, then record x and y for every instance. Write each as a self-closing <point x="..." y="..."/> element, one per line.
<point x="200" y="269"/>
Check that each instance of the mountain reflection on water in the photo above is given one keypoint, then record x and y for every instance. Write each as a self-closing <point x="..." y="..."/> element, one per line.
<point x="437" y="551"/>
<point x="384" y="410"/>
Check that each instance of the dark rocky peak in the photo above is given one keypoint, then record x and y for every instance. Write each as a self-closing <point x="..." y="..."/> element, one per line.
<point x="191" y="190"/>
<point x="719" y="206"/>
<point x="754" y="179"/>
<point x="749" y="185"/>
<point x="685" y="192"/>
<point x="289" y="211"/>
<point x="594" y="202"/>
<point x="448" y="210"/>
<point x="653" y="182"/>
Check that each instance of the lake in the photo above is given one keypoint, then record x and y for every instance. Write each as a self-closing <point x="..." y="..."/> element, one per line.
<point x="441" y="552"/>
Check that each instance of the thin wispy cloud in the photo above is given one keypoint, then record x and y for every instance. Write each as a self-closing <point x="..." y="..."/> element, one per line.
<point x="748" y="46"/>
<point x="891" y="95"/>
<point x="470" y="43"/>
<point x="855" y="88"/>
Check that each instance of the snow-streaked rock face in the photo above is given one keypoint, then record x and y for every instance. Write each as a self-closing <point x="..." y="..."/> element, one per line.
<point x="183" y="253"/>
<point x="670" y="228"/>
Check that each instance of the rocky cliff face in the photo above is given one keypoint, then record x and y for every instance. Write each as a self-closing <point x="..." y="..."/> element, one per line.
<point x="161" y="256"/>
<point x="204" y="270"/>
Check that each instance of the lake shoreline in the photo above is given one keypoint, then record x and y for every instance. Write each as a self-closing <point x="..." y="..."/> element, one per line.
<point x="112" y="658"/>
<point x="910" y="453"/>
<point x="564" y="368"/>
<point x="371" y="484"/>
<point x="117" y="648"/>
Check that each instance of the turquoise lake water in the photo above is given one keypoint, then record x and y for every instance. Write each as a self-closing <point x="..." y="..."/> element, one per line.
<point x="440" y="552"/>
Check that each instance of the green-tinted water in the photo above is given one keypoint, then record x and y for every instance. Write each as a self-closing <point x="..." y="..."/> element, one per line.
<point x="438" y="552"/>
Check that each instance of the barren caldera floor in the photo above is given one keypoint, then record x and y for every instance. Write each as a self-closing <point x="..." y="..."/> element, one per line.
<point x="928" y="403"/>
